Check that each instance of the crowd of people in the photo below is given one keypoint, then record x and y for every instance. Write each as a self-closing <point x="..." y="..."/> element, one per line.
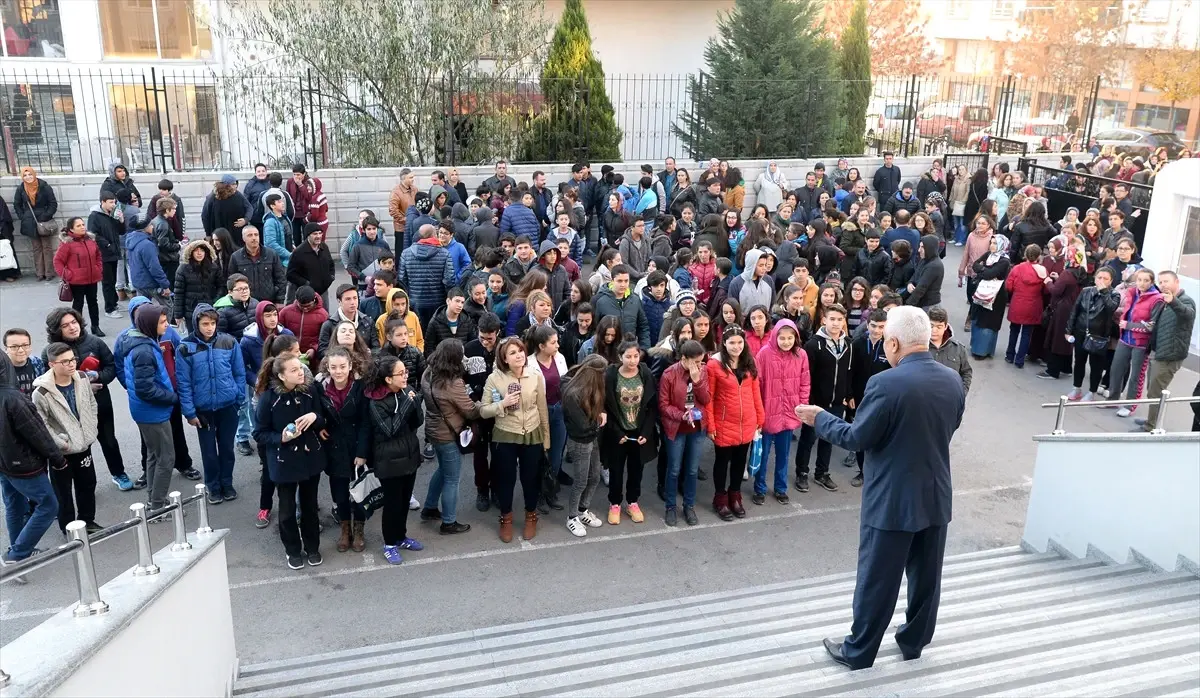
<point x="564" y="337"/>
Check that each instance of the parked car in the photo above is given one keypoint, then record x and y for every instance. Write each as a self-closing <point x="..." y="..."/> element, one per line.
<point x="886" y="119"/>
<point x="956" y="120"/>
<point x="1040" y="135"/>
<point x="1140" y="141"/>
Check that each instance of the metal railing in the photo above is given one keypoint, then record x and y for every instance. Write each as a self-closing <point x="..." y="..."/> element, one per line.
<point x="80" y="548"/>
<point x="1162" y="402"/>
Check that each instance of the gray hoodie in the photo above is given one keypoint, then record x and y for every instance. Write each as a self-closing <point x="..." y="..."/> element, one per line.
<point x="748" y="292"/>
<point x="634" y="254"/>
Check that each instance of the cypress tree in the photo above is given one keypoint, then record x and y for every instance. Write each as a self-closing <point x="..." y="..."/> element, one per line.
<point x="577" y="121"/>
<point x="854" y="62"/>
<point x="769" y="88"/>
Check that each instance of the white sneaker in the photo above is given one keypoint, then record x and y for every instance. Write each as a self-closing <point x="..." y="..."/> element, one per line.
<point x="114" y="314"/>
<point x="413" y="504"/>
<point x="1104" y="392"/>
<point x="590" y="519"/>
<point x="604" y="476"/>
<point x="576" y="527"/>
<point x="1075" y="394"/>
<point x="1087" y="397"/>
<point x="1124" y="412"/>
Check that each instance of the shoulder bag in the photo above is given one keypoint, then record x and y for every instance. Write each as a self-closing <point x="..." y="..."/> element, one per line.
<point x="45" y="229"/>
<point x="986" y="292"/>
<point x="466" y="437"/>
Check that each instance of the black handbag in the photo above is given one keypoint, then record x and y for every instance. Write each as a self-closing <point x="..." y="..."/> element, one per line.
<point x="1095" y="345"/>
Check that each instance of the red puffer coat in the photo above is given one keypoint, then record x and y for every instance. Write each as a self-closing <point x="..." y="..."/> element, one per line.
<point x="1026" y="290"/>
<point x="672" y="396"/>
<point x="736" y="409"/>
<point x="78" y="260"/>
<point x="785" y="381"/>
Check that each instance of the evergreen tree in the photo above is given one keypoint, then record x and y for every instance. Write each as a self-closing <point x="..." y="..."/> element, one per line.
<point x="771" y="86"/>
<point x="854" y="62"/>
<point x="577" y="121"/>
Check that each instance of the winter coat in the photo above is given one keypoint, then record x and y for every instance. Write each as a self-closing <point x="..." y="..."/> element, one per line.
<point x="808" y="200"/>
<point x="165" y="240"/>
<point x="301" y="196"/>
<point x="1138" y="309"/>
<point x="953" y="356"/>
<point x="176" y="223"/>
<point x="785" y="381"/>
<point x="520" y="220"/>
<point x="72" y="434"/>
<point x="363" y="322"/>
<point x="349" y="429"/>
<point x="449" y="409"/>
<point x="707" y="204"/>
<point x="211" y="374"/>
<point x="268" y="281"/>
<point x="305" y="456"/>
<point x="1093" y="313"/>
<point x="976" y="195"/>
<point x="735" y="410"/>
<point x="255" y="188"/>
<point x="276" y="233"/>
<point x="927" y="185"/>
<point x="196" y="283"/>
<point x="869" y="360"/>
<point x="977" y="246"/>
<point x="768" y="189"/>
<point x="464" y="227"/>
<point x="439" y="329"/>
<point x="221" y="213"/>
<point x="530" y="414"/>
<point x="77" y="259"/>
<point x="151" y="395"/>
<point x="233" y="317"/>
<point x="309" y="267"/>
<point x="123" y="190"/>
<point x="830" y="370"/>
<point x="886" y="182"/>
<point x="749" y="292"/>
<point x="928" y="277"/>
<point x="635" y="254"/>
<point x="305" y="325"/>
<point x="712" y="231"/>
<point x="1026" y="290"/>
<point x="108" y="230"/>
<point x="486" y="233"/>
<point x="992" y="319"/>
<point x="1060" y="302"/>
<point x="365" y="252"/>
<point x="1028" y="233"/>
<point x="145" y="269"/>
<point x="628" y="309"/>
<point x="875" y="267"/>
<point x="39" y="211"/>
<point x="1173" y="324"/>
<point x="904" y="233"/>
<point x="703" y="278"/>
<point x="400" y="200"/>
<point x="427" y="272"/>
<point x="610" y="437"/>
<point x="851" y="242"/>
<point x="252" y="345"/>
<point x="28" y="445"/>
<point x="672" y="398"/>
<point x="655" y="311"/>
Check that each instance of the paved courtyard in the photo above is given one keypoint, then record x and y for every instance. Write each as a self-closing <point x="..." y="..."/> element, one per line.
<point x="470" y="581"/>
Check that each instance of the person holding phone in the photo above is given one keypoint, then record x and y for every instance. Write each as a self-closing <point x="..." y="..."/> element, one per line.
<point x="630" y="436"/>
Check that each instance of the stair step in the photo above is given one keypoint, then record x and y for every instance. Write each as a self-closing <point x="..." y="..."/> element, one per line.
<point x="1122" y="680"/>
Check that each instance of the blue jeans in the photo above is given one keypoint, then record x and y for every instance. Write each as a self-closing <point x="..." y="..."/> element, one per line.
<point x="782" y="443"/>
<point x="683" y="454"/>
<point x="1018" y="343"/>
<point x="444" y="483"/>
<point x="216" y="447"/>
<point x="960" y="230"/>
<point x="558" y="438"/>
<point x="25" y="529"/>
<point x="245" y="417"/>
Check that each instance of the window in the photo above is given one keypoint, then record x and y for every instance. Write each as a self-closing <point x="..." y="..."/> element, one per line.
<point x="957" y="9"/>
<point x="151" y="29"/>
<point x="1002" y="9"/>
<point x="184" y="118"/>
<point x="1110" y="113"/>
<point x="1160" y="118"/>
<point x="31" y="29"/>
<point x="1154" y="12"/>
<point x="40" y="120"/>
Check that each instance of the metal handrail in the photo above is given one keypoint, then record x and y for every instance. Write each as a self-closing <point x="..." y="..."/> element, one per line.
<point x="1162" y="402"/>
<point x="80" y="548"/>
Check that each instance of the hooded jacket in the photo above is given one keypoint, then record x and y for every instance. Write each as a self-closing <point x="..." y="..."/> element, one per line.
<point x="427" y="272"/>
<point x="71" y="433"/>
<point x="928" y="277"/>
<point x="712" y="231"/>
<point x="736" y="408"/>
<point x="831" y="365"/>
<point x="655" y="310"/>
<point x="276" y="232"/>
<point x="304" y="456"/>
<point x="77" y="259"/>
<point x="123" y="190"/>
<point x="268" y="280"/>
<point x="151" y="395"/>
<point x="628" y="309"/>
<point x="750" y="292"/>
<point x="211" y="373"/>
<point x="309" y="267"/>
<point x="486" y="233"/>
<point x="954" y="356"/>
<point x="123" y="342"/>
<point x="27" y="443"/>
<point x="108" y="229"/>
<point x="464" y="226"/>
<point x="416" y="337"/>
<point x="635" y="254"/>
<point x="305" y="325"/>
<point x="252" y="341"/>
<point x="145" y="269"/>
<point x="785" y="380"/>
<point x="196" y="283"/>
<point x="558" y="284"/>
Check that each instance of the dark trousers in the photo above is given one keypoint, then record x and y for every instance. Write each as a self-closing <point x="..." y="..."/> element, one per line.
<point x="884" y="557"/>
<point x="1094" y="364"/>
<point x="75" y="486"/>
<point x="87" y="292"/>
<point x="1058" y="364"/>
<point x="625" y="473"/>
<point x="425" y="315"/>
<point x="307" y="531"/>
<point x="169" y="268"/>
<point x="345" y="508"/>
<point x="808" y="437"/>
<point x="1019" y="337"/>
<point x="480" y="453"/>
<point x="107" y="435"/>
<point x="397" y="491"/>
<point x="216" y="447"/>
<point x="266" y="488"/>
<point x="728" y="467"/>
<point x="108" y="283"/>
<point x="183" y="459"/>
<point x="511" y="459"/>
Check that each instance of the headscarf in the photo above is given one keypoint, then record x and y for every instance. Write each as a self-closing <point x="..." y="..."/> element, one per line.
<point x="1077" y="257"/>
<point x="1061" y="241"/>
<point x="31" y="189"/>
<point x="1001" y="249"/>
<point x="1064" y="221"/>
<point x="145" y="319"/>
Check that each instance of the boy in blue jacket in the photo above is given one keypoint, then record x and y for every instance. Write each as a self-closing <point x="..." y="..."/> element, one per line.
<point x="151" y="397"/>
<point x="212" y="379"/>
<point x="277" y="228"/>
<point x="146" y="274"/>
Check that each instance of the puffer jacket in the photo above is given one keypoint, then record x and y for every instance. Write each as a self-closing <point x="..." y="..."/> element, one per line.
<point x="305" y="456"/>
<point x="1173" y="328"/>
<point x="1093" y="313"/>
<point x="211" y="372"/>
<point x="145" y="269"/>
<point x="875" y="267"/>
<point x="27" y="443"/>
<point x="70" y="433"/>
<point x="234" y="317"/>
<point x="672" y="397"/>
<point x="151" y="396"/>
<point x="450" y="410"/>
<point x="306" y="325"/>
<point x="196" y="283"/>
<point x="349" y="429"/>
<point x="268" y="280"/>
<point x="703" y="278"/>
<point x="426" y="272"/>
<point x="1137" y="309"/>
<point x="123" y="343"/>
<point x="519" y="220"/>
<point x="785" y="380"/>
<point x="395" y="418"/>
<point x="1026" y="290"/>
<point x="628" y="309"/>
<point x="929" y="275"/>
<point x="78" y="260"/>
<point x="252" y="344"/>
<point x="736" y="409"/>
<point x="108" y="229"/>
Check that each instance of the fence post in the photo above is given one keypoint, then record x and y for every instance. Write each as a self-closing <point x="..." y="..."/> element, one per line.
<point x="145" y="566"/>
<point x="1006" y="104"/>
<point x="1095" y="97"/>
<point x="697" y="128"/>
<point x="1159" y="429"/>
<point x="181" y="542"/>
<point x="90" y="603"/>
<point x="909" y="132"/>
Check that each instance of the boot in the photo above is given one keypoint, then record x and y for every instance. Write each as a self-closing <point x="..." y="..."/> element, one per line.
<point x="343" y="543"/>
<point x="530" y="525"/>
<point x="735" y="504"/>
<point x="721" y="506"/>
<point x="506" y="528"/>
<point x="360" y="542"/>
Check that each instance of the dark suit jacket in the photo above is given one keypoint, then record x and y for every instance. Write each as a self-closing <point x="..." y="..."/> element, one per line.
<point x="904" y="425"/>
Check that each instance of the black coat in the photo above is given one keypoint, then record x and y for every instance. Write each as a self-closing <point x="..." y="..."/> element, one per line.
<point x="874" y="267"/>
<point x="614" y="223"/>
<point x="268" y="282"/>
<point x="1093" y="313"/>
<point x="6" y="221"/>
<point x="42" y="210"/>
<point x="349" y="430"/>
<point x="366" y="330"/>
<point x="831" y="375"/>
<point x="902" y="273"/>
<point x="28" y="445"/>
<point x="395" y="419"/>
<point x="928" y="277"/>
<point x="976" y="195"/>
<point x="108" y="232"/>
<point x="123" y="190"/>
<point x="221" y="213"/>
<point x="195" y="284"/>
<point x="439" y="329"/>
<point x="1027" y="233"/>
<point x="301" y="458"/>
<point x="647" y="415"/>
<point x="991" y="319"/>
<point x="234" y="319"/>
<point x="309" y="267"/>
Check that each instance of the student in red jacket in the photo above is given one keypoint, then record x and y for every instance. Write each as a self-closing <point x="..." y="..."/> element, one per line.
<point x="1026" y="288"/>
<point x="785" y="380"/>
<point x="733" y="418"/>
<point x="78" y="263"/>
<point x="304" y="317"/>
<point x="682" y="396"/>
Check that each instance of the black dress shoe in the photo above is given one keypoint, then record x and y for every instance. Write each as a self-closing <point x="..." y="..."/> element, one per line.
<point x="835" y="650"/>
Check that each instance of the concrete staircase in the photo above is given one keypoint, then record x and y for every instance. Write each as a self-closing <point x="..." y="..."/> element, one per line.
<point x="1012" y="623"/>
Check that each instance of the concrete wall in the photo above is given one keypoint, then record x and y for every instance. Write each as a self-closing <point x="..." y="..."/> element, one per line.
<point x="1076" y="501"/>
<point x="1176" y="196"/>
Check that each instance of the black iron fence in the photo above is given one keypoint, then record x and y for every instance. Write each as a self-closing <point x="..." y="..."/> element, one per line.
<point x="1066" y="188"/>
<point x="183" y="119"/>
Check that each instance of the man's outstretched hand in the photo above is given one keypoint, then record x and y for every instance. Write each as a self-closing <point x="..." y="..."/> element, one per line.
<point x="807" y="413"/>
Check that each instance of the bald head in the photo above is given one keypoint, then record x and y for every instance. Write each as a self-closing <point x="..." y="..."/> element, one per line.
<point x="426" y="231"/>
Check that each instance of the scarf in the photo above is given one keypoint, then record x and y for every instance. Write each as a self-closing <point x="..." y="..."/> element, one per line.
<point x="337" y="396"/>
<point x="31" y="189"/>
<point x="1001" y="249"/>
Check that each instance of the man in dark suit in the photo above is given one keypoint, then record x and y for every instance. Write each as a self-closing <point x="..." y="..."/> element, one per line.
<point x="904" y="425"/>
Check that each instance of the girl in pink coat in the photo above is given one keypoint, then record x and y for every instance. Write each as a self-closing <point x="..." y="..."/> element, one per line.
<point x="785" y="382"/>
<point x="1134" y="317"/>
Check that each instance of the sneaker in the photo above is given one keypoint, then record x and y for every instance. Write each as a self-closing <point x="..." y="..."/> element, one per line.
<point x="192" y="474"/>
<point x="244" y="448"/>
<point x="671" y="518"/>
<point x="19" y="579"/>
<point x="97" y="332"/>
<point x="229" y="493"/>
<point x="214" y="498"/>
<point x="635" y="513"/>
<point x="140" y="483"/>
<point x="614" y="515"/>
<point x="413" y="504"/>
<point x="689" y="515"/>
<point x="114" y="314"/>
<point x="701" y="475"/>
<point x="391" y="553"/>
<point x="1124" y="412"/>
<point x="802" y="483"/>
<point x="1074" y="395"/>
<point x="427" y="453"/>
<point x="482" y="503"/>
<point x="782" y="498"/>
<point x="958" y="244"/>
<point x="758" y="498"/>
<point x="263" y="519"/>
<point x="851" y="460"/>
<point x="856" y="481"/>
<point x="122" y="482"/>
<point x="604" y="476"/>
<point x="410" y="544"/>
<point x="1140" y="422"/>
<point x="1087" y="397"/>
<point x="453" y="528"/>
<point x="315" y="559"/>
<point x="576" y="527"/>
<point x="93" y="527"/>
<point x="826" y="482"/>
<point x="429" y="514"/>
<point x="1046" y="376"/>
<point x="1104" y="392"/>
<point x="295" y="562"/>
<point x="590" y="520"/>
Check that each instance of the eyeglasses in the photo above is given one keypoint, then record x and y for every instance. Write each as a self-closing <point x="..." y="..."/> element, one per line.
<point x="19" y="347"/>
<point x="65" y="362"/>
